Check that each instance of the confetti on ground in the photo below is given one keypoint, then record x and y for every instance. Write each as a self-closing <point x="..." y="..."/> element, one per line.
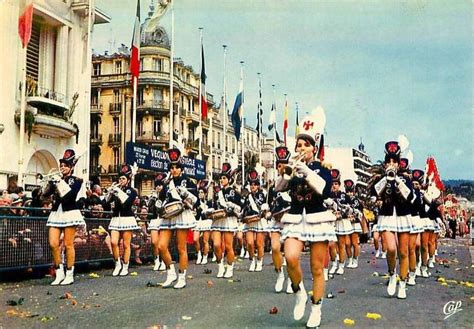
<point x="67" y="295"/>
<point x="444" y="284"/>
<point x="47" y="318"/>
<point x="133" y="274"/>
<point x="273" y="310"/>
<point x="186" y="318"/>
<point x="189" y="277"/>
<point x="349" y="322"/>
<point x="210" y="283"/>
<point x="374" y="316"/>
<point x="375" y="274"/>
<point x="73" y="302"/>
<point x="330" y="296"/>
<point x="207" y="271"/>
<point x="94" y="276"/>
<point x="452" y="281"/>
<point x="342" y="291"/>
<point x="441" y="279"/>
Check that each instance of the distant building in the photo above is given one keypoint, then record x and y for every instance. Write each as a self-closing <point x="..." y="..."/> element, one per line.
<point x="58" y="85"/>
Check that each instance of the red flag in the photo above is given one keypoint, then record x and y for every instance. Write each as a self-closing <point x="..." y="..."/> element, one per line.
<point x="203" y="87"/>
<point x="135" y="57"/>
<point x="25" y="23"/>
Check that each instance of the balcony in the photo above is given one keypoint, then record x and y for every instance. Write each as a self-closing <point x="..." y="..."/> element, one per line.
<point x="115" y="108"/>
<point x="115" y="139"/>
<point x="206" y="149"/>
<point x="96" y="140"/>
<point x="149" y="138"/>
<point x="193" y="146"/>
<point x="111" y="80"/>
<point x="153" y="107"/>
<point x="96" y="109"/>
<point x="114" y="169"/>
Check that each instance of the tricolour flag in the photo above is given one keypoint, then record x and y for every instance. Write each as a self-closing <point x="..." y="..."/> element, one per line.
<point x="203" y="86"/>
<point x="237" y="111"/>
<point x="285" y="122"/>
<point x="135" y="57"/>
<point x="25" y="23"/>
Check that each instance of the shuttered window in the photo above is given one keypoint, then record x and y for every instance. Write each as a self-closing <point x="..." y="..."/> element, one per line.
<point x="32" y="53"/>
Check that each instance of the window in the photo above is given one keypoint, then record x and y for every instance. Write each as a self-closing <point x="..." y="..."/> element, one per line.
<point x="116" y="158"/>
<point x="213" y="139"/>
<point x="94" y="96"/>
<point x="116" y="96"/>
<point x="158" y="96"/>
<point x="141" y="64"/>
<point x="226" y="149"/>
<point x="139" y="127"/>
<point x="156" y="128"/>
<point x="158" y="64"/>
<point x="116" y="125"/>
<point x="140" y="96"/>
<point x="118" y="67"/>
<point x="97" y="69"/>
<point x="32" y="53"/>
<point x="218" y="140"/>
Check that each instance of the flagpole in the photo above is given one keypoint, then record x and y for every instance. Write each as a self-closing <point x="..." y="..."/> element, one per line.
<point x="285" y="120"/>
<point x="22" y="119"/>
<point x="242" y="123"/>
<point x="200" y="98"/>
<point x="274" y="136"/>
<point x="225" y="106"/>
<point x="297" y="120"/>
<point x="259" y="133"/>
<point x="172" y="77"/>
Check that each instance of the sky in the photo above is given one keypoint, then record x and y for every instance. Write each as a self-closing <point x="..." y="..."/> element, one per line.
<point x="378" y="68"/>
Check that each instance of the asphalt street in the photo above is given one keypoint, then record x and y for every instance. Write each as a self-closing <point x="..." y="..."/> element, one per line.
<point x="98" y="300"/>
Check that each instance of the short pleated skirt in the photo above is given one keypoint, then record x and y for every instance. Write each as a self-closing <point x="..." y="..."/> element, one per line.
<point x="275" y="226"/>
<point x="375" y="228"/>
<point x="418" y="225"/>
<point x="298" y="227"/>
<point x="428" y="224"/>
<point x="344" y="227"/>
<point x="259" y="226"/>
<point x="226" y="224"/>
<point x="185" y="220"/>
<point x="436" y="226"/>
<point x="127" y="223"/>
<point x="395" y="223"/>
<point x="203" y="225"/>
<point x="356" y="227"/>
<point x="60" y="218"/>
<point x="154" y="224"/>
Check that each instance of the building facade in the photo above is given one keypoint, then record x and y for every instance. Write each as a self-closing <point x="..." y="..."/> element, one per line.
<point x="111" y="111"/>
<point x="57" y="64"/>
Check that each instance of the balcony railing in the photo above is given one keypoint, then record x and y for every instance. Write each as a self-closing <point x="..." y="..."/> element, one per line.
<point x="96" y="109"/>
<point x="96" y="139"/>
<point x="148" y="137"/>
<point x="153" y="106"/>
<point x="114" y="169"/>
<point x="115" y="138"/>
<point x="115" y="108"/>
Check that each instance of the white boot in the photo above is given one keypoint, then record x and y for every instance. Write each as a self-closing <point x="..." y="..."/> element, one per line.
<point x="333" y="268"/>
<point x="229" y="272"/>
<point x="204" y="260"/>
<point x="289" y="289"/>
<point x="418" y="269"/>
<point x="69" y="279"/>
<point x="392" y="284"/>
<point x="59" y="275"/>
<point x="247" y="256"/>
<point x="411" y="279"/>
<point x="252" y="265"/>
<point x="431" y="262"/>
<point x="384" y="254"/>
<point x="221" y="270"/>
<point x="242" y="252"/>
<point x="280" y="281"/>
<point x="181" y="280"/>
<point x="436" y="253"/>
<point x="340" y="268"/>
<point x="156" y="266"/>
<point x="402" y="290"/>
<point x="315" y="316"/>
<point x="118" y="267"/>
<point x="259" y="266"/>
<point x="355" y="263"/>
<point x="377" y="253"/>
<point x="170" y="277"/>
<point x="284" y="262"/>
<point x="162" y="266"/>
<point x="349" y="263"/>
<point x="214" y="258"/>
<point x="124" y="270"/>
<point x="424" y="272"/>
<point x="326" y="274"/>
<point x="199" y="258"/>
<point x="300" y="303"/>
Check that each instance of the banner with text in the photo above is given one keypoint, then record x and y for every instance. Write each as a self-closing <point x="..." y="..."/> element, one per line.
<point x="150" y="158"/>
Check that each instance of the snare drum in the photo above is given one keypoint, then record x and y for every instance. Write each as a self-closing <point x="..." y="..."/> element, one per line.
<point x="250" y="219"/>
<point x="172" y="209"/>
<point x="217" y="214"/>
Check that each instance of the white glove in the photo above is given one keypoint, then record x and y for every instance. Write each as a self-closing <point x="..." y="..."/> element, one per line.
<point x="302" y="168"/>
<point x="122" y="195"/>
<point x="281" y="183"/>
<point x="265" y="207"/>
<point x="328" y="203"/>
<point x="286" y="197"/>
<point x="63" y="188"/>
<point x="404" y="190"/>
<point x="158" y="204"/>
<point x="316" y="182"/>
<point x="183" y="192"/>
<point x="381" y="185"/>
<point x="55" y="179"/>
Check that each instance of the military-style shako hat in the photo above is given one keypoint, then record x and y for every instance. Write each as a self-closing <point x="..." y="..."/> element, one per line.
<point x="349" y="185"/>
<point x="126" y="171"/>
<point x="159" y="178"/>
<point x="174" y="156"/>
<point x="282" y="154"/>
<point x="336" y="175"/>
<point x="404" y="164"/>
<point x="252" y="177"/>
<point x="69" y="158"/>
<point x="311" y="130"/>
<point x="392" y="151"/>
<point x="226" y="170"/>
<point x="417" y="175"/>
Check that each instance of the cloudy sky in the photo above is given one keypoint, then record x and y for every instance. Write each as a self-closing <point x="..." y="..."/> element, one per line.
<point x="378" y="68"/>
